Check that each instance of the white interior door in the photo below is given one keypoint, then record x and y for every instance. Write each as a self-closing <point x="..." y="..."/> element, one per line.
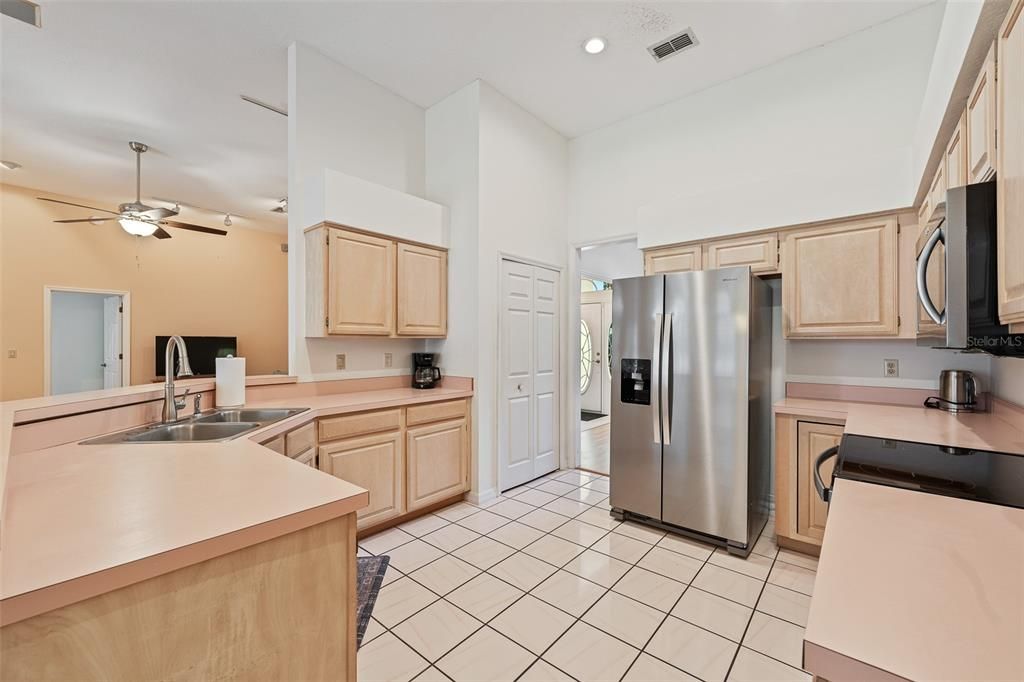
<point x="591" y="368"/>
<point x="112" y="352"/>
<point x="529" y="367"/>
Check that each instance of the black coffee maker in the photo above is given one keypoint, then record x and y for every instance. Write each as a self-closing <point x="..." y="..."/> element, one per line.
<point x="424" y="374"/>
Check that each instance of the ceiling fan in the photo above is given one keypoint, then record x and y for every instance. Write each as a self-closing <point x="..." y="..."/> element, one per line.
<point x="135" y="217"/>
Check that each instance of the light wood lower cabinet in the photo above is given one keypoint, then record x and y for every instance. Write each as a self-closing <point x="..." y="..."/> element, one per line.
<point x="799" y="513"/>
<point x="840" y="280"/>
<point x="436" y="462"/>
<point x="811" y="510"/>
<point x="760" y="252"/>
<point x="672" y="259"/>
<point x="1010" y="165"/>
<point x="373" y="462"/>
<point x="407" y="458"/>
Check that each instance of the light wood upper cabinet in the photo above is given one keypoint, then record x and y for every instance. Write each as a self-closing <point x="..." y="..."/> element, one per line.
<point x="937" y="190"/>
<point x="437" y="461"/>
<point x="760" y="252"/>
<point x="359" y="284"/>
<point x="955" y="157"/>
<point x="672" y="259"/>
<point x="980" y="124"/>
<point x="422" y="291"/>
<point x="375" y="463"/>
<point x="812" y="440"/>
<point x="840" y="280"/>
<point x="1010" y="165"/>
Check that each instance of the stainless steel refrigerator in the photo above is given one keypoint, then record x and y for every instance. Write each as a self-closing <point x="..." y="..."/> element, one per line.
<point x="691" y="403"/>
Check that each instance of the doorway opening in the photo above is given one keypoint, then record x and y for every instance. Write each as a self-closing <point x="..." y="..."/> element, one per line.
<point x="86" y="340"/>
<point x="599" y="266"/>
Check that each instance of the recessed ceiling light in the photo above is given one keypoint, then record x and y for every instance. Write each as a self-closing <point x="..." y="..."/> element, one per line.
<point x="10" y="165"/>
<point x="594" y="45"/>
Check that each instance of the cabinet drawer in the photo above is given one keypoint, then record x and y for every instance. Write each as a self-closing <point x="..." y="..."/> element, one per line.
<point x="347" y="425"/>
<point x="435" y="412"/>
<point x="299" y="440"/>
<point x="276" y="444"/>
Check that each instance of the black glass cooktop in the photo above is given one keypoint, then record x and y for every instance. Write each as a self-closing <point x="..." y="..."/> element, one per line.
<point x="982" y="475"/>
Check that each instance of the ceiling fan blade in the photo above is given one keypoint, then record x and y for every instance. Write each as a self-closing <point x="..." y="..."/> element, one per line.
<point x="68" y="203"/>
<point x="161" y="233"/>
<point x="84" y="220"/>
<point x="159" y="213"/>
<point x="194" y="228"/>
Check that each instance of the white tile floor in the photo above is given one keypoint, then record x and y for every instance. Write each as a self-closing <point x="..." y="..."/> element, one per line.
<point x="542" y="584"/>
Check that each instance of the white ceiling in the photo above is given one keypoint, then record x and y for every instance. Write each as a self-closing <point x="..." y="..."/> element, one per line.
<point x="169" y="74"/>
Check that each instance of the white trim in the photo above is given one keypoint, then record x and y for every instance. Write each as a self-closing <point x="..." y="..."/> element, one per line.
<point x="564" y="414"/>
<point x="875" y="382"/>
<point x="482" y="497"/>
<point x="573" y="398"/>
<point x="126" y="329"/>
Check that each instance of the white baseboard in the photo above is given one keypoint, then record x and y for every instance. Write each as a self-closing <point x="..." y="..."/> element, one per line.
<point x="482" y="497"/>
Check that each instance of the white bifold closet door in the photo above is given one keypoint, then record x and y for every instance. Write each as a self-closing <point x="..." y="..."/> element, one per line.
<point x="529" y="371"/>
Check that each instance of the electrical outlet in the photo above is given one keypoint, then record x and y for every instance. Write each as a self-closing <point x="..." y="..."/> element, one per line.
<point x="387" y="359"/>
<point x="340" y="360"/>
<point x="12" y="354"/>
<point x="891" y="368"/>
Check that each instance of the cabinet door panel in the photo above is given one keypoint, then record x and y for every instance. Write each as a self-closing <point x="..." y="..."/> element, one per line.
<point x="841" y="280"/>
<point x="375" y="463"/>
<point x="422" y="291"/>
<point x="812" y="440"/>
<point x="672" y="259"/>
<point x="360" y="283"/>
<point x="938" y="187"/>
<point x="956" y="156"/>
<point x="1010" y="166"/>
<point x="438" y="462"/>
<point x="980" y="129"/>
<point x="760" y="252"/>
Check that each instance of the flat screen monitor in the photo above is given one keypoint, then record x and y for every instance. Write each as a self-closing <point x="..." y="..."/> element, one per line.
<point x="203" y="352"/>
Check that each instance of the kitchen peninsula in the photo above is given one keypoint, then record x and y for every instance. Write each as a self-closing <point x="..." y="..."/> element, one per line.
<point x="177" y="551"/>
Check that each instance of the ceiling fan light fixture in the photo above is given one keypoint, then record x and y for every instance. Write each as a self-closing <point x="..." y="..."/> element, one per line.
<point x="137" y="227"/>
<point x="227" y="220"/>
<point x="594" y="45"/>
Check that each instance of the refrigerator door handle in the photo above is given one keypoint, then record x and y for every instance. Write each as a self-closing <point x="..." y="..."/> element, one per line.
<point x="664" y="380"/>
<point x="656" y="376"/>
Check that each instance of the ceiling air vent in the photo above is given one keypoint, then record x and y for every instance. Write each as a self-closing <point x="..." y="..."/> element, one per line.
<point x="673" y="45"/>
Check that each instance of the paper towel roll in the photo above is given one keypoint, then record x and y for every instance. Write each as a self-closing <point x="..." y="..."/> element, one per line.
<point x="230" y="382"/>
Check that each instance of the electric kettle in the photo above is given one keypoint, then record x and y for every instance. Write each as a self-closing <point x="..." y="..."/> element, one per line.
<point x="958" y="392"/>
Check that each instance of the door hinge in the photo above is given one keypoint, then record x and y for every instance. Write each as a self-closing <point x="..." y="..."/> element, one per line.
<point x="899" y="228"/>
<point x="120" y="308"/>
<point x="327" y="323"/>
<point x="120" y="356"/>
<point x="327" y="239"/>
<point x="899" y="320"/>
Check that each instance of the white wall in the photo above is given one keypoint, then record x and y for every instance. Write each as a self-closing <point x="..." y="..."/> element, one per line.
<point x="823" y="134"/>
<point x="1008" y="379"/>
<point x="341" y="120"/>
<point x="502" y="172"/>
<point x="613" y="260"/>
<point x="76" y="342"/>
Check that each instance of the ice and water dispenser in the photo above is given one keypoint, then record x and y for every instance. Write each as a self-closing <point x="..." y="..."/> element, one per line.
<point x="635" y="382"/>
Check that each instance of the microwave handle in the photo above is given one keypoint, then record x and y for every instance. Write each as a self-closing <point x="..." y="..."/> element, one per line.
<point x="823" y="492"/>
<point x="922" y="276"/>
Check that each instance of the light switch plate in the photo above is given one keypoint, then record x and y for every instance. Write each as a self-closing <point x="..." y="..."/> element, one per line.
<point x="891" y="368"/>
<point x="340" y="360"/>
<point x="387" y="359"/>
<point x="12" y="353"/>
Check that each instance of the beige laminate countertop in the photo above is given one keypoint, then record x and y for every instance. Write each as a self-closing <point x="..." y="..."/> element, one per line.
<point x="82" y="520"/>
<point x="978" y="431"/>
<point x="917" y="586"/>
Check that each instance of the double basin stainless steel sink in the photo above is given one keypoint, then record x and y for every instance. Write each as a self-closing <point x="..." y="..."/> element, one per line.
<point x="208" y="427"/>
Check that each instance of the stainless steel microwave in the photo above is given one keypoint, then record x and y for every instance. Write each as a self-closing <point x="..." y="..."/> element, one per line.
<point x="957" y="287"/>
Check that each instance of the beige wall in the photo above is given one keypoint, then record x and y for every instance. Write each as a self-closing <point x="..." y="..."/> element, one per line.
<point x="192" y="284"/>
